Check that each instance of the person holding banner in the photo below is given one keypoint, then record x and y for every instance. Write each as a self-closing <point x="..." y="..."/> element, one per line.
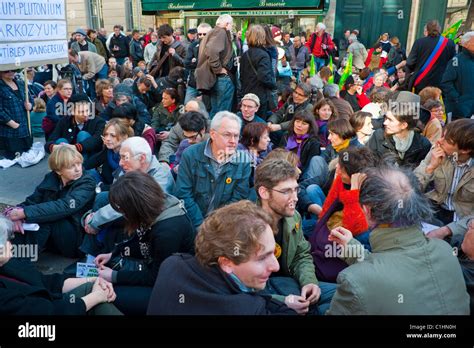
<point x="429" y="58"/>
<point x="15" y="136"/>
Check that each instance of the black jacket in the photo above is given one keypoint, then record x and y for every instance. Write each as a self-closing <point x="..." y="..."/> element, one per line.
<point x="136" y="51"/>
<point x="51" y="201"/>
<point x="385" y="146"/>
<point x="311" y="147"/>
<point x="421" y="50"/>
<point x="184" y="287"/>
<point x="68" y="129"/>
<point x="150" y="98"/>
<point x="264" y="81"/>
<point x="173" y="232"/>
<point x="122" y="43"/>
<point x="142" y="110"/>
<point x="29" y="292"/>
<point x="191" y="61"/>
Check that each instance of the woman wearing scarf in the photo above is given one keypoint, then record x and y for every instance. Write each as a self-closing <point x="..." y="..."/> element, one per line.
<point x="150" y="49"/>
<point x="302" y="139"/>
<point x="166" y="114"/>
<point x="341" y="136"/>
<point x="115" y="132"/>
<point x="324" y="111"/>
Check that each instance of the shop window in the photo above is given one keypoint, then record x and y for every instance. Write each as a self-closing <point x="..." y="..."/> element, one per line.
<point x="95" y="18"/>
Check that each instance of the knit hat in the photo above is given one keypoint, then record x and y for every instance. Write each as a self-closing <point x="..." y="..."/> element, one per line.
<point x="122" y="90"/>
<point x="80" y="31"/>
<point x="192" y="31"/>
<point x="252" y="97"/>
<point x="276" y="31"/>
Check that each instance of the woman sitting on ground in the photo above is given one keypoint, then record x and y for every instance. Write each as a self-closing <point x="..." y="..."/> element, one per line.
<point x="361" y="121"/>
<point x="57" y="205"/>
<point x="157" y="227"/>
<point x="107" y="161"/>
<point x="324" y="111"/>
<point x="166" y="114"/>
<point x="341" y="136"/>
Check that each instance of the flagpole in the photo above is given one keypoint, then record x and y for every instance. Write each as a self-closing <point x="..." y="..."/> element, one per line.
<point x="27" y="101"/>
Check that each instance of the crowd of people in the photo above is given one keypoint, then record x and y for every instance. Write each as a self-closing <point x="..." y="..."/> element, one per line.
<point x="226" y="174"/>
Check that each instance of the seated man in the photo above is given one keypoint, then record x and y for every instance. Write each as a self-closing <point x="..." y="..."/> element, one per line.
<point x="296" y="283"/>
<point x="232" y="264"/>
<point x="249" y="106"/>
<point x="135" y="155"/>
<point x="80" y="129"/>
<point x="214" y="172"/>
<point x="170" y="145"/>
<point x="124" y="94"/>
<point x="407" y="273"/>
<point x="450" y="167"/>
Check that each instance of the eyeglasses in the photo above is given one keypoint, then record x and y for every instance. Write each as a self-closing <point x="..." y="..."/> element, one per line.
<point x="202" y="34"/>
<point x="192" y="137"/>
<point x="289" y="191"/>
<point x="128" y="157"/>
<point x="229" y="136"/>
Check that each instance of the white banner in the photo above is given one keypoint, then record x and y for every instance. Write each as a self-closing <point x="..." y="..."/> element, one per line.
<point x="26" y="30"/>
<point x="21" y="54"/>
<point x="32" y="33"/>
<point x="33" y="9"/>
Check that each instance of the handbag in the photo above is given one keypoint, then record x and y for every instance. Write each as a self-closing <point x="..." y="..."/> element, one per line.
<point x="121" y="263"/>
<point x="272" y="94"/>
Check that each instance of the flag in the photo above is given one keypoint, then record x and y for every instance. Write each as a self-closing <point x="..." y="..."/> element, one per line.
<point x="312" y="67"/>
<point x="331" y="67"/>
<point x="452" y="31"/>
<point x="347" y="71"/>
<point x="244" y="30"/>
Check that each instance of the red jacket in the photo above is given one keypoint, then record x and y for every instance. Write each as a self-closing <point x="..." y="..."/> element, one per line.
<point x="353" y="217"/>
<point x="369" y="58"/>
<point x="317" y="50"/>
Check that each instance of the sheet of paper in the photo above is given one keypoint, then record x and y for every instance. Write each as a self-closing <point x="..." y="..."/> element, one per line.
<point x="84" y="270"/>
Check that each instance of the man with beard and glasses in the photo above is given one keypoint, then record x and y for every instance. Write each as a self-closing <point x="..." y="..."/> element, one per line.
<point x="295" y="283"/>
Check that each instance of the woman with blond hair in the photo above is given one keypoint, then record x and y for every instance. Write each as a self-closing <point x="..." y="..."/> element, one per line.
<point x="57" y="205"/>
<point x="256" y="72"/>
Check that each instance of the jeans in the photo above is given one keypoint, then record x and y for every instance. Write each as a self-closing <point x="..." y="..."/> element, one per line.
<point x="191" y="93"/>
<point x="316" y="195"/>
<point x="319" y="63"/>
<point x="317" y="167"/>
<point x="222" y="95"/>
<point x="81" y="136"/>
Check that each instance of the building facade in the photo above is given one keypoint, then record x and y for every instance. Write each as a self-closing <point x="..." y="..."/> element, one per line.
<point x="107" y="13"/>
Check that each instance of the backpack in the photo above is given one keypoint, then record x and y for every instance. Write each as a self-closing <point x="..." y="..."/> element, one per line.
<point x="329" y="52"/>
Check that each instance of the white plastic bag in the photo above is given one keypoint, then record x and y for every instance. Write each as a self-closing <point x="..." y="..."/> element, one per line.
<point x="33" y="156"/>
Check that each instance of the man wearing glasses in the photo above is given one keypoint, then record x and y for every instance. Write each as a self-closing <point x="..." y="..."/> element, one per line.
<point x="191" y="61"/>
<point x="295" y="283"/>
<point x="214" y="173"/>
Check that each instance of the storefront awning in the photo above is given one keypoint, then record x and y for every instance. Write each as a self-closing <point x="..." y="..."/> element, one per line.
<point x="229" y="5"/>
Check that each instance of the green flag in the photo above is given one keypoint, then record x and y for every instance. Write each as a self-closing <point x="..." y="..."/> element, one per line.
<point x="312" y="67"/>
<point x="244" y="30"/>
<point x="347" y="71"/>
<point x="331" y="67"/>
<point x="452" y="31"/>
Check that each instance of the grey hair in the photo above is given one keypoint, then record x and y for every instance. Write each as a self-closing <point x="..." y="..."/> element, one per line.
<point x="321" y="26"/>
<point x="202" y="108"/>
<point x="6" y="229"/>
<point x="466" y="37"/>
<point x="330" y="90"/>
<point x="204" y="26"/>
<point x="393" y="196"/>
<point x="224" y="19"/>
<point x="138" y="146"/>
<point x="221" y="115"/>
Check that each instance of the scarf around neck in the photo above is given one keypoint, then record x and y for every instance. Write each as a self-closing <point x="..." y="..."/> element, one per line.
<point x="402" y="145"/>
<point x="293" y="143"/>
<point x="342" y="146"/>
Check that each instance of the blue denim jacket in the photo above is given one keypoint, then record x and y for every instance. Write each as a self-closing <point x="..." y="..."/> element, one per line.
<point x="200" y="189"/>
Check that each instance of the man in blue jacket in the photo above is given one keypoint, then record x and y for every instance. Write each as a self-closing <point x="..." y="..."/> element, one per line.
<point x="214" y="173"/>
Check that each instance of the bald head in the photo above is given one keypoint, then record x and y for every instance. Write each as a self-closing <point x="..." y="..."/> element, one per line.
<point x="392" y="196"/>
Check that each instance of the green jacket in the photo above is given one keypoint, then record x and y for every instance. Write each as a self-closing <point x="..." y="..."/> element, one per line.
<point x="406" y="274"/>
<point x="162" y="119"/>
<point x="296" y="261"/>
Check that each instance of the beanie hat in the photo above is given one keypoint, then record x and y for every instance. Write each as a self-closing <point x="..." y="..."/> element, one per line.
<point x="252" y="97"/>
<point x="276" y="31"/>
<point x="122" y="90"/>
<point x="80" y="31"/>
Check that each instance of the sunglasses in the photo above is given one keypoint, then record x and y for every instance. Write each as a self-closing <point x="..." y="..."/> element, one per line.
<point x="201" y="34"/>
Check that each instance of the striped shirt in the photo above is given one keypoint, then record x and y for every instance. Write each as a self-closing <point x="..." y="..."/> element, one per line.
<point x="459" y="171"/>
